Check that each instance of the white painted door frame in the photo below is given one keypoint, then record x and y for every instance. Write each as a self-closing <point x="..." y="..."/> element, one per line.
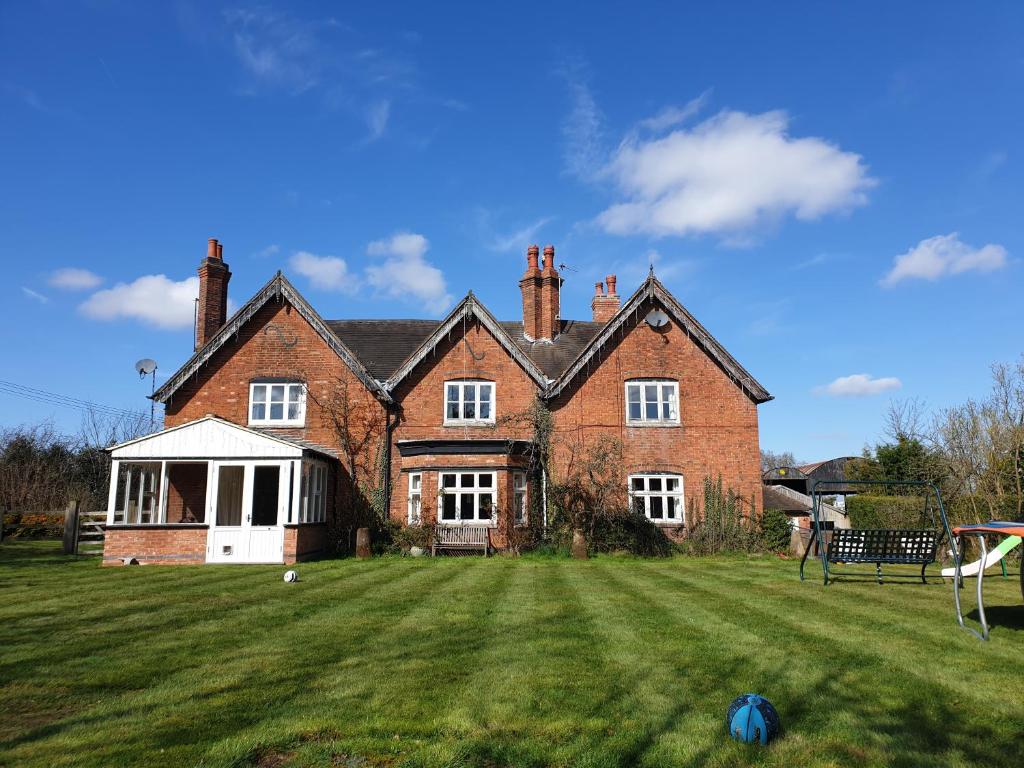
<point x="245" y="542"/>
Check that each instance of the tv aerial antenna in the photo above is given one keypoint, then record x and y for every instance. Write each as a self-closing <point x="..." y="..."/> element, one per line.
<point x="147" y="367"/>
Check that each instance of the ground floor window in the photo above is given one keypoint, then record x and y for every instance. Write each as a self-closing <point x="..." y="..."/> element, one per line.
<point x="467" y="497"/>
<point x="519" y="498"/>
<point x="659" y="498"/>
<point x="314" y="493"/>
<point x="138" y="493"/>
<point x="415" y="497"/>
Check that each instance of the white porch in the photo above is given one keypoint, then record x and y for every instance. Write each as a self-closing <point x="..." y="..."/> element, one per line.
<point x="243" y="486"/>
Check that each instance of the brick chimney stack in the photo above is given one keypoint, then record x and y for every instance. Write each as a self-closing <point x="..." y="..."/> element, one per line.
<point x="213" y="293"/>
<point x="605" y="304"/>
<point x="551" y="284"/>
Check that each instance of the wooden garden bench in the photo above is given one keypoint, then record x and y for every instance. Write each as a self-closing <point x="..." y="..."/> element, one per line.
<point x="462" y="537"/>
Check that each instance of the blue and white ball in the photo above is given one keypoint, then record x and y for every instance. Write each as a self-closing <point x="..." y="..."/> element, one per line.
<point x="752" y="719"/>
<point x="291" y="576"/>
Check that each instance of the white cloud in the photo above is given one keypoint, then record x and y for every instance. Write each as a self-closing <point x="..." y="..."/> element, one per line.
<point x="583" y="127"/>
<point x="154" y="299"/>
<point x="377" y="116"/>
<point x="858" y="385"/>
<point x="74" y="279"/>
<point x="520" y="238"/>
<point x="944" y="255"/>
<point x="329" y="273"/>
<point x="727" y="175"/>
<point x="34" y="295"/>
<point x="405" y="274"/>
<point x="672" y="116"/>
<point x="276" y="49"/>
<point x="265" y="253"/>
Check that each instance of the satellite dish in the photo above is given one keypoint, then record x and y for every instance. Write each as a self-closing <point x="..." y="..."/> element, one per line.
<point x="656" y="318"/>
<point x="145" y="366"/>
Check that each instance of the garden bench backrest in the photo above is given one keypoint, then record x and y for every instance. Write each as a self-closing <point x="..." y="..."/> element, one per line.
<point x="882" y="545"/>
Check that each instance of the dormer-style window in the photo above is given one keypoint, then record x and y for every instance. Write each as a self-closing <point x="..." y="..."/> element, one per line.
<point x="652" y="402"/>
<point x="468" y="402"/>
<point x="277" y="404"/>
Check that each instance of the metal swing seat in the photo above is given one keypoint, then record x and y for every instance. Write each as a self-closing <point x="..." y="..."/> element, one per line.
<point x="877" y="546"/>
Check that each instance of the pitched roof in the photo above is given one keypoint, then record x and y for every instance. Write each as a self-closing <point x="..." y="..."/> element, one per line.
<point x="383" y="345"/>
<point x="277" y="287"/>
<point x="212" y="437"/>
<point x="381" y="353"/>
<point x="652" y="290"/>
<point x="468" y="308"/>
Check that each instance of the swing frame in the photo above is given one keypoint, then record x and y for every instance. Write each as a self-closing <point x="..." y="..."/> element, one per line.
<point x="924" y="542"/>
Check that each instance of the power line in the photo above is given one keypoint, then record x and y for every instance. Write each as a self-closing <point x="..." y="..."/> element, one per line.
<point x="53" y="398"/>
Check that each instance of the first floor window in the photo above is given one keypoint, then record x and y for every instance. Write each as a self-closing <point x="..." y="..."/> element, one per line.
<point x="467" y="497"/>
<point x="519" y="497"/>
<point x="469" y="401"/>
<point x="314" y="493"/>
<point x="652" y="402"/>
<point x="659" y="498"/>
<point x="415" y="497"/>
<point x="277" y="404"/>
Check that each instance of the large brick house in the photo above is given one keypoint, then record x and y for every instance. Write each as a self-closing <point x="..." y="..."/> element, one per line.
<point x="282" y="423"/>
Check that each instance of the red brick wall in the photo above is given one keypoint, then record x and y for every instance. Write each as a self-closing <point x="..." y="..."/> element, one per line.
<point x="718" y="431"/>
<point x="302" y="542"/>
<point x="186" y="493"/>
<point x="154" y="546"/>
<point x="422" y="414"/>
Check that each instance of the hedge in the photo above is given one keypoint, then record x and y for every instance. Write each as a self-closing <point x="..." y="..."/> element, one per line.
<point x="870" y="511"/>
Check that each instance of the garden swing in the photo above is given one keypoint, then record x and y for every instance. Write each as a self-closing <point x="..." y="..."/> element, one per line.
<point x="878" y="546"/>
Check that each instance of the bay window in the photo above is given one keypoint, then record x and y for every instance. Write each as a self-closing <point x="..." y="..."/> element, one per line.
<point x="467" y="498"/>
<point x="469" y="402"/>
<point x="659" y="498"/>
<point x="519" y="498"/>
<point x="415" y="501"/>
<point x="652" y="401"/>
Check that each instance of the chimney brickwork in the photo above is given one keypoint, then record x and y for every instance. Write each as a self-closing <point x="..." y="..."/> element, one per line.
<point x="212" y="311"/>
<point x="540" y="288"/>
<point x="605" y="303"/>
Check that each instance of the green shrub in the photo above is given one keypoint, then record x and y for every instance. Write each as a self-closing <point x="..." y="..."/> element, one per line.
<point x="723" y="526"/>
<point x="775" y="530"/>
<point x="631" y="533"/>
<point x="876" y="511"/>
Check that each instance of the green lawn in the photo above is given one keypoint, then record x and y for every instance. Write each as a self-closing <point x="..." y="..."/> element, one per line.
<point x="467" y="661"/>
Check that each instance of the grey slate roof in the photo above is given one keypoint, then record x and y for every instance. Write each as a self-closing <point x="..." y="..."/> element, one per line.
<point x="383" y="345"/>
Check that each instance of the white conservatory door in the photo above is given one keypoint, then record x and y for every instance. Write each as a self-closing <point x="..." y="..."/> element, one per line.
<point x="249" y="503"/>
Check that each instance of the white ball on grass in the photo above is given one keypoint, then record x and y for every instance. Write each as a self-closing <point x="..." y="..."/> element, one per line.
<point x="291" y="576"/>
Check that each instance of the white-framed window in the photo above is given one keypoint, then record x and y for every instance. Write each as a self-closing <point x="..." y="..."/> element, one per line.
<point x="519" y="500"/>
<point x="465" y="498"/>
<point x="469" y="402"/>
<point x="277" y="404"/>
<point x="652" y="401"/>
<point x="415" y="498"/>
<point x="659" y="498"/>
<point x="314" y="493"/>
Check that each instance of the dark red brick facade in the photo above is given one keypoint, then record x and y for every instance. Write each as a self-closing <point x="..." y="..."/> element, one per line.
<point x="717" y="434"/>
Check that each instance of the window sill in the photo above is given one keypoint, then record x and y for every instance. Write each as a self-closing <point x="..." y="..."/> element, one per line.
<point x="466" y="524"/>
<point x="277" y="423"/>
<point x="632" y="424"/>
<point x="469" y="423"/>
<point x="667" y="523"/>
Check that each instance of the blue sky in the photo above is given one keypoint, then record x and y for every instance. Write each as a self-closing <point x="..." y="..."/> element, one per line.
<point x="833" y="193"/>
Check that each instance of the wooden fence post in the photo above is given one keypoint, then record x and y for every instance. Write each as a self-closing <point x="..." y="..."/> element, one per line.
<point x="71" y="528"/>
